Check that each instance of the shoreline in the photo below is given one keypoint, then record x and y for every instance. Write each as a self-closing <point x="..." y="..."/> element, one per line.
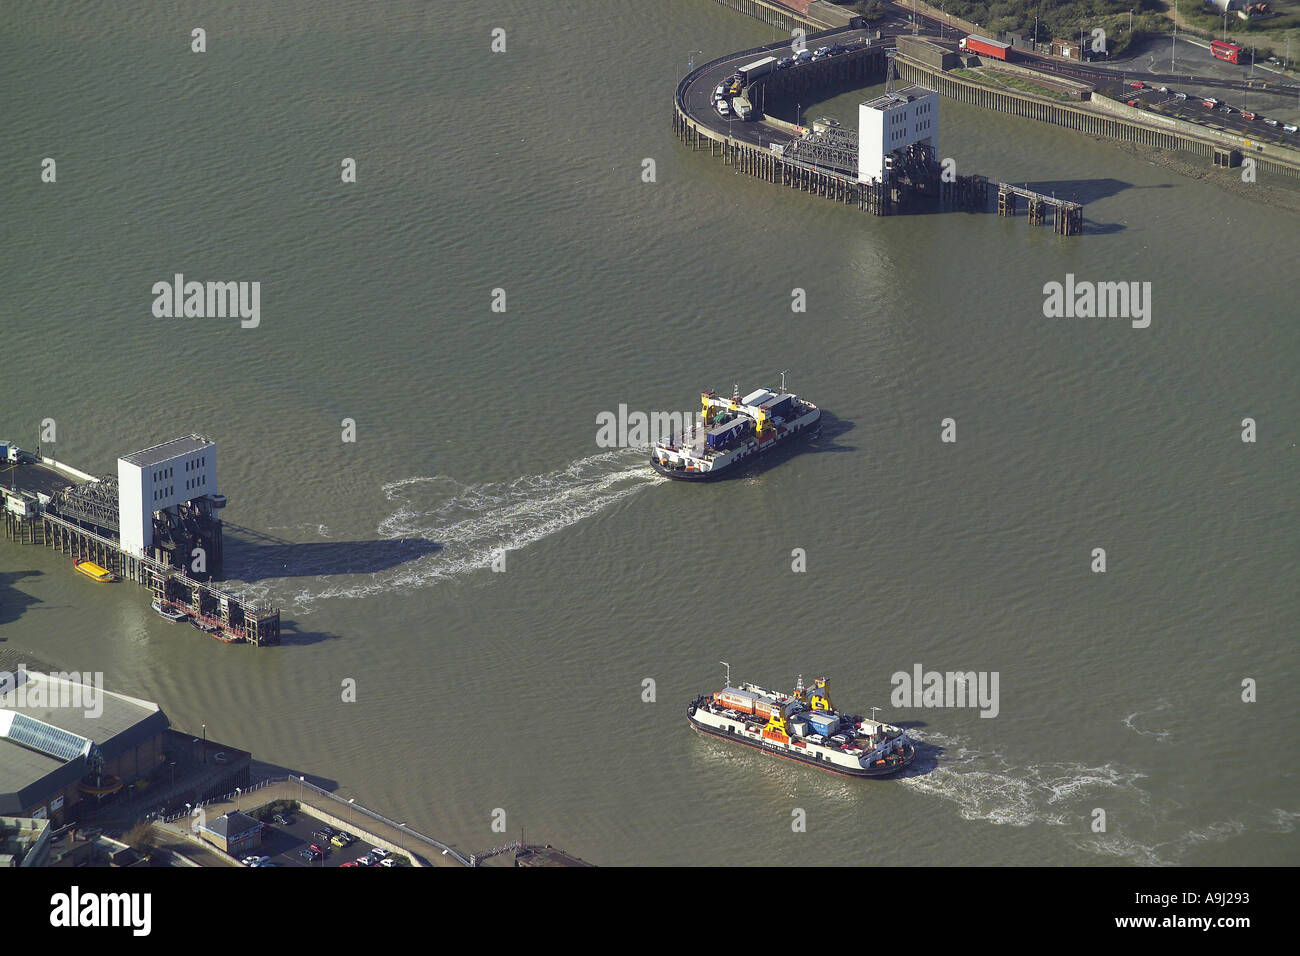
<point x="1275" y="191"/>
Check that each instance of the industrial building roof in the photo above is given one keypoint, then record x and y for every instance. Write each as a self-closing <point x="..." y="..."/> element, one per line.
<point x="44" y="715"/>
<point x="167" y="450"/>
<point x="898" y="97"/>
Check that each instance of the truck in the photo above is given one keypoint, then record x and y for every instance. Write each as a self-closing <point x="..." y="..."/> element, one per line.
<point x="752" y="71"/>
<point x="744" y="110"/>
<point x="986" y="47"/>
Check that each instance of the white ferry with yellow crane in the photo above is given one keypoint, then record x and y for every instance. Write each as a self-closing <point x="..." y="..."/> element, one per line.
<point x="802" y="726"/>
<point x="734" y="431"/>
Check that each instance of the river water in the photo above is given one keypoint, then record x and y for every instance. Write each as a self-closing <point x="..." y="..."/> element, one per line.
<point x="476" y="431"/>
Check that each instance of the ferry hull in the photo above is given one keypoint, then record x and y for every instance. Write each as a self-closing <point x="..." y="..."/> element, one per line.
<point x="909" y="754"/>
<point x="680" y="475"/>
<point x="741" y="467"/>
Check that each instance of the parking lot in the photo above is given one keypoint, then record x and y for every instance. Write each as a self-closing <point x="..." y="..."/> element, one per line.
<point x="283" y="844"/>
<point x="1193" y="110"/>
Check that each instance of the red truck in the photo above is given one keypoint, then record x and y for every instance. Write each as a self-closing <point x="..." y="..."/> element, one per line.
<point x="985" y="47"/>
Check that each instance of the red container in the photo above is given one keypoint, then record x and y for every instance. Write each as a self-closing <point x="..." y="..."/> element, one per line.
<point x="984" y="47"/>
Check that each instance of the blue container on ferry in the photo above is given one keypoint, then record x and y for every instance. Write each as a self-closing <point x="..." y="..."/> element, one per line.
<point x="824" y="724"/>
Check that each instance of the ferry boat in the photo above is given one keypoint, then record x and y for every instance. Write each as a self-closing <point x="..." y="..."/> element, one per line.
<point x="734" y="431"/>
<point x="803" y="727"/>
<point x="93" y="571"/>
<point x="170" y="613"/>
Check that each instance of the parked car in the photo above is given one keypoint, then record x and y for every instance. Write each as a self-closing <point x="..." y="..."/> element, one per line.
<point x="363" y="861"/>
<point x="388" y="862"/>
<point x="722" y="108"/>
<point x="785" y="63"/>
<point x="281" y="819"/>
<point x="1290" y="127"/>
<point x="323" y="835"/>
<point x="379" y="853"/>
<point x="348" y="863"/>
<point x="821" y="53"/>
<point x="307" y="853"/>
<point x="317" y="848"/>
<point x="836" y="49"/>
<point x="803" y="56"/>
<point x="1138" y="85"/>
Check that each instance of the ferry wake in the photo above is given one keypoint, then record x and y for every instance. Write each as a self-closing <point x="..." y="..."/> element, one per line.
<point x="802" y="726"/>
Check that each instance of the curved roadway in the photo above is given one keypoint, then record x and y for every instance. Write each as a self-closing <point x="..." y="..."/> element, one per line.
<point x="696" y="93"/>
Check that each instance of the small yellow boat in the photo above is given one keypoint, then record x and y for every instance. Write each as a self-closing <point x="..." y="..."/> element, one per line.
<point x="93" y="571"/>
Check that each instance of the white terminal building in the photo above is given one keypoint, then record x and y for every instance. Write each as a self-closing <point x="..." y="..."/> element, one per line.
<point x="893" y="122"/>
<point x="160" y="478"/>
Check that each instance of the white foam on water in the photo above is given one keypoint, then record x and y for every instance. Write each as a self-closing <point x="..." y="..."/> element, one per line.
<point x="472" y="523"/>
<point x="1164" y="853"/>
<point x="986" y="786"/>
<point x="1160" y="735"/>
<point x="1284" y="821"/>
